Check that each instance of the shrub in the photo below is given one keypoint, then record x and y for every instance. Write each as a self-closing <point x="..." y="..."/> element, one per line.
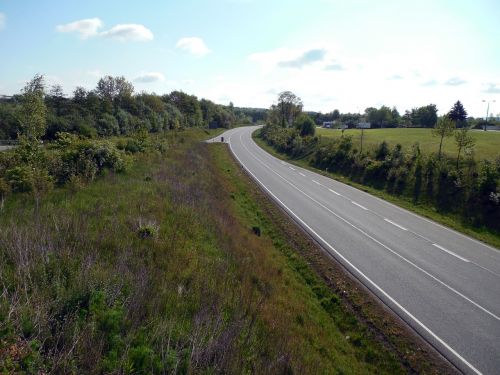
<point x="382" y="151"/>
<point x="20" y="179"/>
<point x="107" y="125"/>
<point x="147" y="230"/>
<point x="86" y="159"/>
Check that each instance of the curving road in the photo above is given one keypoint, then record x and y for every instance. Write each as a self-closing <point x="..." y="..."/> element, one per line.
<point x="443" y="284"/>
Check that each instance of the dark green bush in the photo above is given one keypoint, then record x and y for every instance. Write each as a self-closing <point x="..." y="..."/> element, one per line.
<point x="20" y="179"/>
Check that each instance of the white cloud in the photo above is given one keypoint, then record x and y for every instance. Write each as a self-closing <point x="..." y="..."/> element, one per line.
<point x="316" y="56"/>
<point x="492" y="88"/>
<point x="455" y="81"/>
<point x="150" y="77"/>
<point x="86" y="28"/>
<point x="123" y="32"/>
<point x="395" y="77"/>
<point x="307" y="58"/>
<point x="2" y="21"/>
<point x="429" y="83"/>
<point x="128" y="32"/>
<point x="193" y="45"/>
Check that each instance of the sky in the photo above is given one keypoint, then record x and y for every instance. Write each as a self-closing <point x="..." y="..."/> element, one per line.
<point x="333" y="54"/>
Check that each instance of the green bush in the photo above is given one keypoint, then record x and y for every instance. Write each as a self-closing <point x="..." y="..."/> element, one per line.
<point x="20" y="179"/>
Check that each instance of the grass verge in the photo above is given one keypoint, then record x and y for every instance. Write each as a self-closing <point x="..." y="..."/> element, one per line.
<point x="449" y="220"/>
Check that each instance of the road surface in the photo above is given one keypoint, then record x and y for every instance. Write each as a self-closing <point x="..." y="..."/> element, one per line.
<point x="443" y="284"/>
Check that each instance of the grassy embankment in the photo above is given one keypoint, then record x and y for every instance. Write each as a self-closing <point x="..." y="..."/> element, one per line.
<point x="450" y="220"/>
<point x="487" y="143"/>
<point x="171" y="267"/>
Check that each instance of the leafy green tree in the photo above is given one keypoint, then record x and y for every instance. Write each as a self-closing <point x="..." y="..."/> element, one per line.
<point x="305" y="125"/>
<point x="458" y="114"/>
<point x="33" y="120"/>
<point x="444" y="128"/>
<point x="33" y="126"/>
<point x="288" y="108"/>
<point x="425" y="116"/>
<point x="115" y="91"/>
<point x="189" y="106"/>
<point x="464" y="142"/>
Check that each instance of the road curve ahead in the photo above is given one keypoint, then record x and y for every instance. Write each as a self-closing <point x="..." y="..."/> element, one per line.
<point x="443" y="284"/>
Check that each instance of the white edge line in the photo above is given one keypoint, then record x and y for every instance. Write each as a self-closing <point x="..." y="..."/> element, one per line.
<point x="292" y="168"/>
<point x="450" y="252"/>
<point x="395" y="224"/>
<point x="302" y="174"/>
<point x="316" y="182"/>
<point x="384" y="293"/>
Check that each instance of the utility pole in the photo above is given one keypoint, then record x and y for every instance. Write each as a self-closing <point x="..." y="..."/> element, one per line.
<point x="487" y="112"/>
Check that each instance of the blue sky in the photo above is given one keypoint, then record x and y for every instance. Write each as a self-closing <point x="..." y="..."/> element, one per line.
<point x="333" y="54"/>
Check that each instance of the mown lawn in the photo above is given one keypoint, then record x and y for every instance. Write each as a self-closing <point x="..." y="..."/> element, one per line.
<point x="170" y="267"/>
<point x="487" y="143"/>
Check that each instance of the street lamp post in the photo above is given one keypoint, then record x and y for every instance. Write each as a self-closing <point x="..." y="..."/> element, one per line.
<point x="487" y="112"/>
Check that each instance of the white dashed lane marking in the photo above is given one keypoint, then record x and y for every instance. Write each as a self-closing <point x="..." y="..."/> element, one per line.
<point x="360" y="206"/>
<point x="395" y="224"/>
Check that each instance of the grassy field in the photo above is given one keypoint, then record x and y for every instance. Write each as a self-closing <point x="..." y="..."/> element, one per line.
<point x="487" y="143"/>
<point x="170" y="267"/>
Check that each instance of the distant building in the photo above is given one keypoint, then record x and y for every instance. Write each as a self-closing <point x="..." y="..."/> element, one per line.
<point x="364" y="125"/>
<point x="328" y="124"/>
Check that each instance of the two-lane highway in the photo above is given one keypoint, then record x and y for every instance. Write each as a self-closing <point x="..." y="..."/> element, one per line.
<point x="443" y="284"/>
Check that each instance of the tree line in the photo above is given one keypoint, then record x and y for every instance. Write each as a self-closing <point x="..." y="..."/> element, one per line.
<point x="113" y="108"/>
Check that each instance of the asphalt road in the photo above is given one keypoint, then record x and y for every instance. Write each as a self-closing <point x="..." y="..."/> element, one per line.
<point x="443" y="284"/>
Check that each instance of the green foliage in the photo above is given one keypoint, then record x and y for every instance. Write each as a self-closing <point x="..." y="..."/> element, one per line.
<point x="383" y="117"/>
<point x="107" y="125"/>
<point x="458" y="114"/>
<point x="33" y="110"/>
<point x="444" y="128"/>
<point x="287" y="109"/>
<point x="305" y="125"/>
<point x="147" y="230"/>
<point x="20" y="179"/>
<point x="464" y="142"/>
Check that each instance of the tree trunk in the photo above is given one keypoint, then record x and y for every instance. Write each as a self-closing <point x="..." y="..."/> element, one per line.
<point x="458" y="156"/>
<point x="440" y="145"/>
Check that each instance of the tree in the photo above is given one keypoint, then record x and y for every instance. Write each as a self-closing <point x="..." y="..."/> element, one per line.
<point x="407" y="118"/>
<point x="56" y="98"/>
<point x="458" y="114"/>
<point x="188" y="105"/>
<point x="464" y="142"/>
<point x="289" y="106"/>
<point x="305" y="125"/>
<point x="115" y="90"/>
<point x="33" y="116"/>
<point x="425" y="116"/>
<point x="444" y="128"/>
<point x="33" y="126"/>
